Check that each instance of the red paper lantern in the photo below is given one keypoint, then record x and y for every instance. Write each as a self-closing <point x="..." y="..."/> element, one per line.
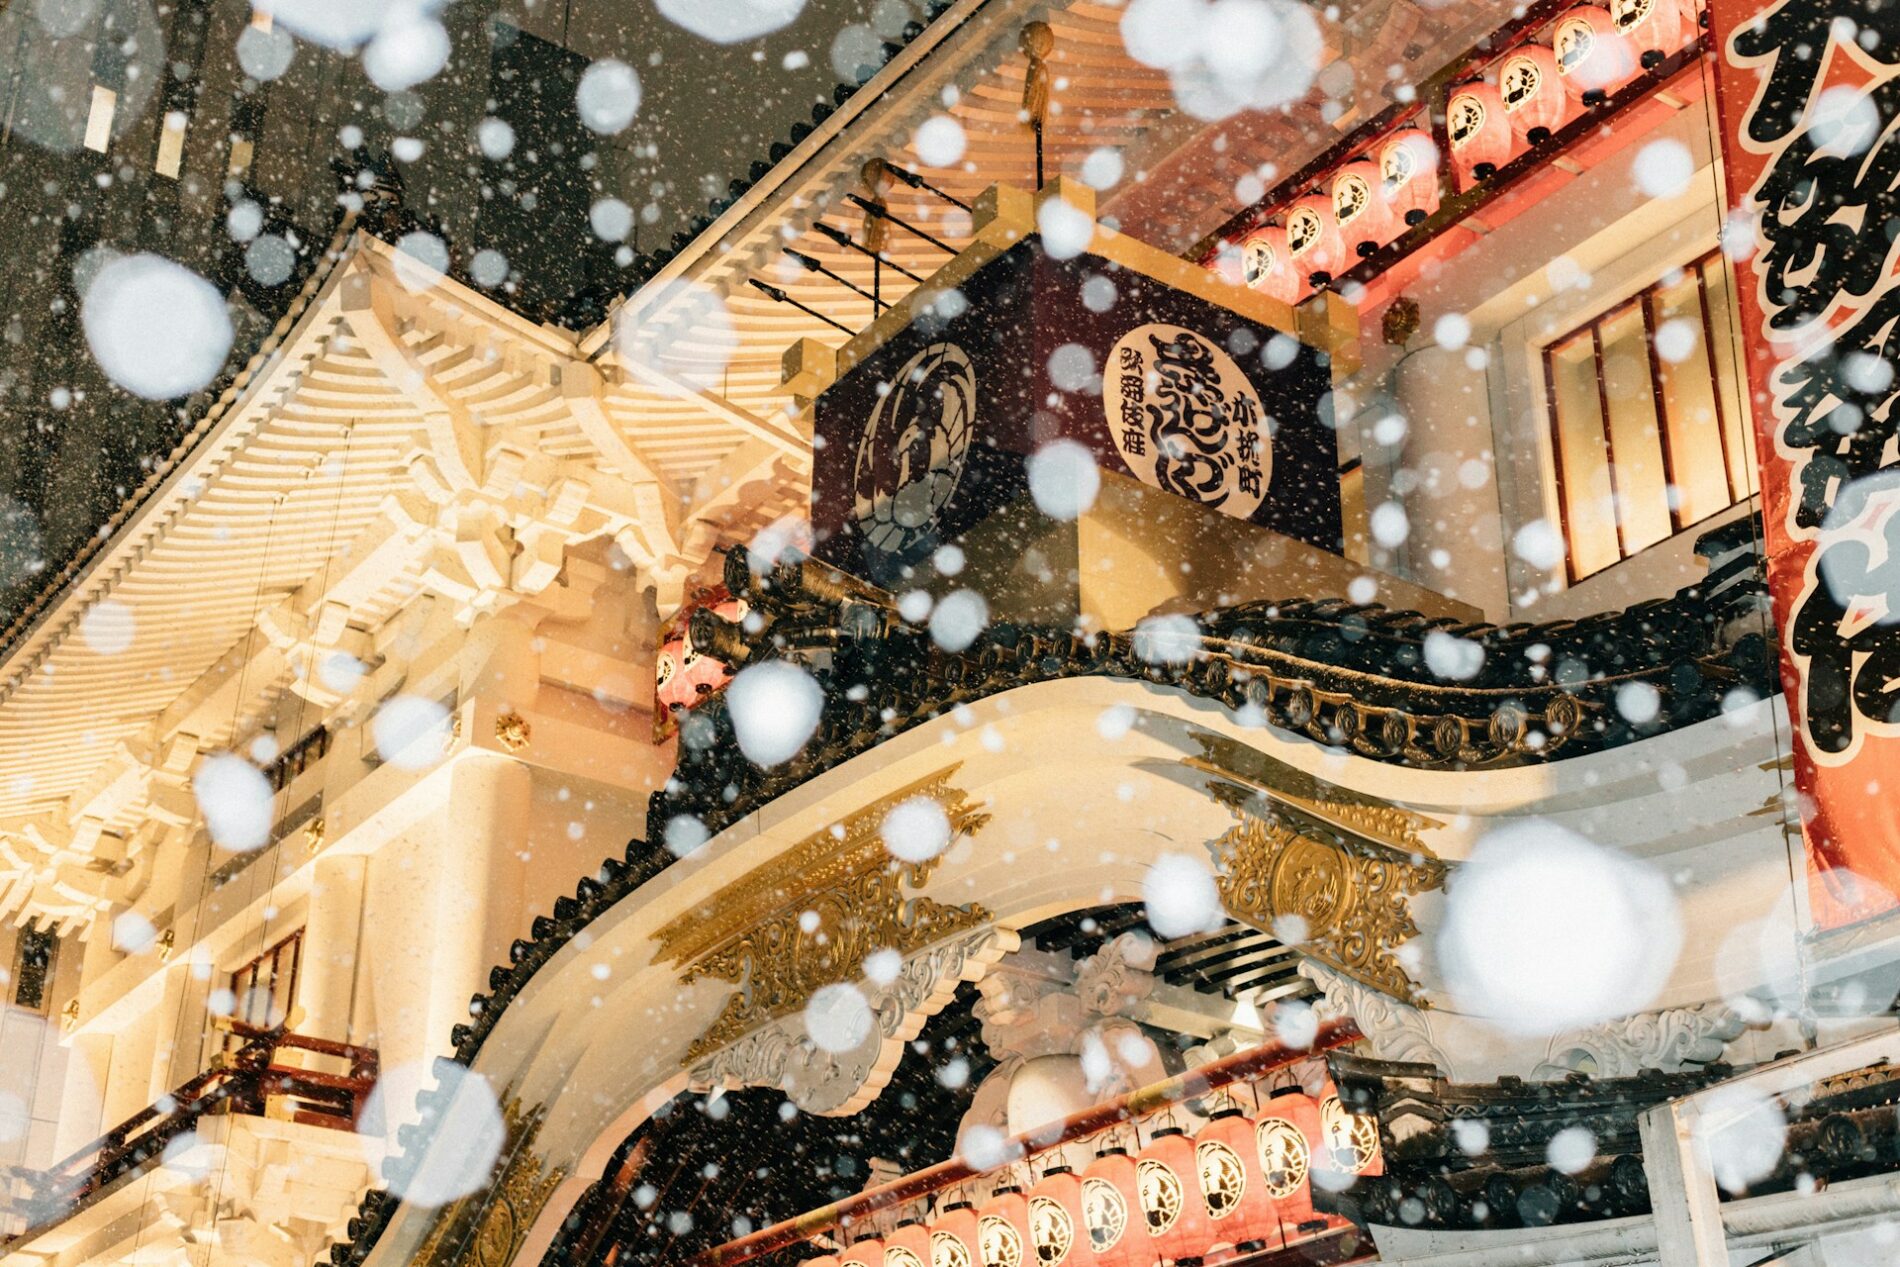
<point x="1058" y="1232"/>
<point x="908" y="1245"/>
<point x="868" y="1252"/>
<point x="1268" y="266"/>
<point x="1286" y="1136"/>
<point x="1408" y="171"/>
<point x="1593" y="58"/>
<point x="1002" y="1230"/>
<point x="1232" y="1185"/>
<point x="953" y="1237"/>
<point x="1352" y="1139"/>
<point x="1312" y="239"/>
<point x="1535" y="103"/>
<point x="1480" y="134"/>
<point x="683" y="676"/>
<point x="1168" y="1179"/>
<point x="1654" y="28"/>
<point x="1366" y="221"/>
<point x="1111" y="1210"/>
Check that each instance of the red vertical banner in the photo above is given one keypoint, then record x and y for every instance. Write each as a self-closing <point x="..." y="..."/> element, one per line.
<point x="1808" y="95"/>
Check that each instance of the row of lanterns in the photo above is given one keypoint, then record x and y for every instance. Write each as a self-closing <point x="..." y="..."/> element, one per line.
<point x="1372" y="199"/>
<point x="1242" y="1183"/>
<point x="1593" y="52"/>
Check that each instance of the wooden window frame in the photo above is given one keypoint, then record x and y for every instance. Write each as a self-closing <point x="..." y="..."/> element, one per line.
<point x="1645" y="301"/>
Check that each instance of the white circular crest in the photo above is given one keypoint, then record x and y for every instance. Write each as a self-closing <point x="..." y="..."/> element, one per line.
<point x="1283" y="1156"/>
<point x="1161" y="1194"/>
<point x="1051" y="1229"/>
<point x="1106" y="1212"/>
<point x="1223" y="1177"/>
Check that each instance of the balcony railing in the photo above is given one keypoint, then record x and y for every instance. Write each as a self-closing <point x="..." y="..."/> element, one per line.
<point x="250" y="1081"/>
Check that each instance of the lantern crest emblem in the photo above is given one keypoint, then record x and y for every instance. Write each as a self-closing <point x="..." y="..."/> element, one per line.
<point x="1284" y="1159"/>
<point x="1575" y="39"/>
<point x="1351" y="196"/>
<point x="1519" y="82"/>
<point x="999" y="1242"/>
<point x="1223" y="1177"/>
<point x="1351" y="1138"/>
<point x="1051" y="1230"/>
<point x="1105" y="1212"/>
<point x="1303" y="229"/>
<point x="1627" y="15"/>
<point x="1465" y="118"/>
<point x="948" y="1250"/>
<point x="1161" y="1195"/>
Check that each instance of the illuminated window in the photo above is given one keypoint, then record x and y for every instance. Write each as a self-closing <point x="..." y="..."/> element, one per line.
<point x="99" y="120"/>
<point x="1645" y="444"/>
<point x="171" y="145"/>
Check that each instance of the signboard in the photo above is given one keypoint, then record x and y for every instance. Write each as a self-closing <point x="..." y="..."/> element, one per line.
<point x="927" y="438"/>
<point x="1808" y="95"/>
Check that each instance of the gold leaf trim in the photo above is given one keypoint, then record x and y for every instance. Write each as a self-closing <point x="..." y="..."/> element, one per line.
<point x="809" y="917"/>
<point x="1352" y="897"/>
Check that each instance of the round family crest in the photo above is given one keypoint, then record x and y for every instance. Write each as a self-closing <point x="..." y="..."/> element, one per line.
<point x="903" y="1256"/>
<point x="1573" y="42"/>
<point x="1257" y="260"/>
<point x="1161" y="1195"/>
<point x="912" y="453"/>
<point x="1352" y="194"/>
<point x="948" y="1250"/>
<point x="999" y="1242"/>
<point x="1464" y="118"/>
<point x="1352" y="1138"/>
<point x="1106" y="1213"/>
<point x="1283" y="1157"/>
<point x="1519" y="82"/>
<point x="1304" y="228"/>
<point x="1051" y="1230"/>
<point x="1223" y="1177"/>
<point x="1398" y="163"/>
<point x="1627" y="15"/>
<point x="1185" y="418"/>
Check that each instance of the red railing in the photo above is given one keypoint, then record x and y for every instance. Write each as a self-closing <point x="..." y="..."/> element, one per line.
<point x="244" y="1081"/>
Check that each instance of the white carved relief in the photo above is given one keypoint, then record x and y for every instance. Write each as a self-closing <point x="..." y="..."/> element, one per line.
<point x="783" y="1055"/>
<point x="1670" y="1040"/>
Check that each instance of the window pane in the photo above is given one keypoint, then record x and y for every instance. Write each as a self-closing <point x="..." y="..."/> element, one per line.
<point x="1636" y="456"/>
<point x="1583" y="475"/>
<point x="1687" y="380"/>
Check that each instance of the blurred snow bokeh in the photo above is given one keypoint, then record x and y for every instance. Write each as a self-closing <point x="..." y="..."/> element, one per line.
<point x="235" y="799"/>
<point x="1180" y="896"/>
<point x="1546" y="931"/>
<point x="461" y="1141"/>
<point x="157" y="329"/>
<point x="731" y="21"/>
<point x="775" y="707"/>
<point x="916" y="830"/>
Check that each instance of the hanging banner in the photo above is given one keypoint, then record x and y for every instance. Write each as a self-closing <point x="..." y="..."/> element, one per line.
<point x="926" y="438"/>
<point x="1808" y="93"/>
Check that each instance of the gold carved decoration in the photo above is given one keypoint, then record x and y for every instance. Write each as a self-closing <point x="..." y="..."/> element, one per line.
<point x="487" y="1228"/>
<point x="1352" y="895"/>
<point x="513" y="731"/>
<point x="809" y="917"/>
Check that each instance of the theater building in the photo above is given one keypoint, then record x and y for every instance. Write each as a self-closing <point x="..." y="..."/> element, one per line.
<point x="1167" y="635"/>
